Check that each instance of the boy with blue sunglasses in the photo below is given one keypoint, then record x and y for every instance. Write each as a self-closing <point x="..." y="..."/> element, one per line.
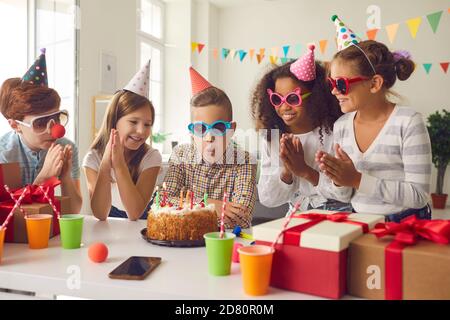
<point x="213" y="164"/>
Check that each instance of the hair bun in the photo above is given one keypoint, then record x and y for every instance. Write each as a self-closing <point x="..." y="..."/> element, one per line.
<point x="404" y="67"/>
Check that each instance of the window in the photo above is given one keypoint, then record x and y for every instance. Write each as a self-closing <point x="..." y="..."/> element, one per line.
<point x="14" y="56"/>
<point x="41" y="24"/>
<point x="150" y="39"/>
<point x="55" y="31"/>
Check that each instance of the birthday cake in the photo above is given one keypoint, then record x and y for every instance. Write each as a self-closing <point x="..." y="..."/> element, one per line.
<point x="185" y="222"/>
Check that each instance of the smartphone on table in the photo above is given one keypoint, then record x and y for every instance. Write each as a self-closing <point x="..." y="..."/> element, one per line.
<point x="135" y="268"/>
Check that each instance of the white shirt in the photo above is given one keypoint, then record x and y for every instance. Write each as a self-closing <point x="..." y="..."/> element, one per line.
<point x="273" y="192"/>
<point x="92" y="160"/>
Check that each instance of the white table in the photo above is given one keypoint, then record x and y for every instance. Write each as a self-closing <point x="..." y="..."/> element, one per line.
<point x="182" y="274"/>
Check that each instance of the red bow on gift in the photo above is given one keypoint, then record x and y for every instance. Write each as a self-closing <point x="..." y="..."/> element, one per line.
<point x="411" y="229"/>
<point x="335" y="217"/>
<point x="34" y="193"/>
<point x="292" y="236"/>
<point x="406" y="233"/>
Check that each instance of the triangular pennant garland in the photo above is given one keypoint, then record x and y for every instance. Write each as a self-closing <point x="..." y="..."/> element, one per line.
<point x="413" y="26"/>
<point x="225" y="53"/>
<point x="215" y="53"/>
<point x="298" y="50"/>
<point x="323" y="46"/>
<point x="444" y="66"/>
<point x="273" y="59"/>
<point x="372" y="34"/>
<point x="260" y="57"/>
<point x="434" y="19"/>
<point x="242" y="55"/>
<point x="194" y="46"/>
<point x="251" y="54"/>
<point x="286" y="50"/>
<point x="427" y="67"/>
<point x="392" y="31"/>
<point x="200" y="47"/>
<point x="234" y="53"/>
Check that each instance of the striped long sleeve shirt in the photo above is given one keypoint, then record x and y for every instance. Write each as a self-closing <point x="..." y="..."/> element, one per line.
<point x="396" y="169"/>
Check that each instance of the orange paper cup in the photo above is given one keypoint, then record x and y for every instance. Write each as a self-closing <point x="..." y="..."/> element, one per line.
<point x="2" y="241"/>
<point x="256" y="266"/>
<point x="38" y="230"/>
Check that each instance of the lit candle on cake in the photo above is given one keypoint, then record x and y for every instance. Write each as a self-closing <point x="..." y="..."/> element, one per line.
<point x="205" y="199"/>
<point x="188" y="197"/>
<point x="164" y="193"/>
<point x="157" y="198"/>
<point x="181" y="198"/>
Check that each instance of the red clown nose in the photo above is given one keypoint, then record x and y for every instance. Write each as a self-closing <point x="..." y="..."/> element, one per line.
<point x="58" y="131"/>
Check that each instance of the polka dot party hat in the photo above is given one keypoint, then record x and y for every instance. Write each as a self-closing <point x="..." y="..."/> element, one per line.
<point x="345" y="36"/>
<point x="140" y="84"/>
<point x="305" y="67"/>
<point x="198" y="82"/>
<point x="37" y="74"/>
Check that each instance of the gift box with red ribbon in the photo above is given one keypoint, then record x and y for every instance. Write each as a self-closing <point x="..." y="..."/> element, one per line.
<point x="406" y="260"/>
<point x="311" y="256"/>
<point x="33" y="202"/>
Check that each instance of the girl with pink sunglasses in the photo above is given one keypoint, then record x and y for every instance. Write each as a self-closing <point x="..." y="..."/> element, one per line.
<point x="295" y="112"/>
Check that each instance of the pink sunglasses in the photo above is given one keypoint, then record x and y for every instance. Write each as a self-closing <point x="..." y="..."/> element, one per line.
<point x="293" y="99"/>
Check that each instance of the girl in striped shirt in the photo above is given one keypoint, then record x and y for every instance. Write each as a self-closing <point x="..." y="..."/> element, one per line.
<point x="382" y="160"/>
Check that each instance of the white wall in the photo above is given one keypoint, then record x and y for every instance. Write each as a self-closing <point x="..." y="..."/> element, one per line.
<point x="177" y="62"/>
<point x="110" y="26"/>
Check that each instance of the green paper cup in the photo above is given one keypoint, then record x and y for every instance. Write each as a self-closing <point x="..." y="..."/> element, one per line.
<point x="219" y="252"/>
<point x="71" y="226"/>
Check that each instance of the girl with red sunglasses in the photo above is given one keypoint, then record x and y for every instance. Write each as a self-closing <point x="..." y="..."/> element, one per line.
<point x="382" y="156"/>
<point x="295" y="112"/>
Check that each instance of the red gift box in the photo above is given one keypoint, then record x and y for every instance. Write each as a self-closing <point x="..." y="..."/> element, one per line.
<point x="312" y="255"/>
<point x="34" y="202"/>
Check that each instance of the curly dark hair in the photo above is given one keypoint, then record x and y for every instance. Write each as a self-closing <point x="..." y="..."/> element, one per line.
<point x="322" y="106"/>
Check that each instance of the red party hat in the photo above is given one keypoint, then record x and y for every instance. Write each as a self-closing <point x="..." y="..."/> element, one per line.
<point x="198" y="82"/>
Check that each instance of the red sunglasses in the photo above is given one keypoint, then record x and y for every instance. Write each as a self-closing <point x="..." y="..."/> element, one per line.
<point x="342" y="84"/>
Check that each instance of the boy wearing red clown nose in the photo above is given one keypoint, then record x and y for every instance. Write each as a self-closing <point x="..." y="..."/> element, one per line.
<point x="36" y="142"/>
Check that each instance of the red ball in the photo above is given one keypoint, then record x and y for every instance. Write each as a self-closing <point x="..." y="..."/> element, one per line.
<point x="98" y="252"/>
<point x="58" y="131"/>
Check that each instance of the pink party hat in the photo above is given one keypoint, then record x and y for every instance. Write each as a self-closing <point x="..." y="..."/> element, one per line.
<point x="305" y="67"/>
<point x="140" y="83"/>
<point x="198" y="82"/>
<point x="345" y="36"/>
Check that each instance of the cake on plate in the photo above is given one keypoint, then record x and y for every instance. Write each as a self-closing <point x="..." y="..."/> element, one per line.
<point x="189" y="222"/>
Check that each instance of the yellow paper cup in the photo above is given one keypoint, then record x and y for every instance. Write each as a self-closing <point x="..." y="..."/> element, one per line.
<point x="256" y="266"/>
<point x="2" y="241"/>
<point x="38" y="230"/>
